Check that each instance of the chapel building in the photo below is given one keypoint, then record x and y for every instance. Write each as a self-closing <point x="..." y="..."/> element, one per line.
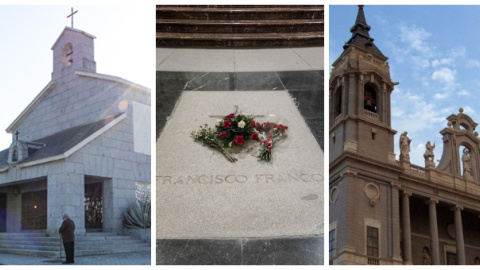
<point x="81" y="147"/>
<point x="385" y="210"/>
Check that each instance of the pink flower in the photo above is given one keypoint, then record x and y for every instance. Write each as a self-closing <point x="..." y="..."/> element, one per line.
<point x="253" y="123"/>
<point x="223" y="135"/>
<point x="254" y="136"/>
<point x="239" y="140"/>
<point x="231" y="115"/>
<point x="226" y="124"/>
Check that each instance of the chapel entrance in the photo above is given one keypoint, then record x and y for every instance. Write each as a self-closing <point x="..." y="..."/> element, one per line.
<point x="3" y="212"/>
<point x="34" y="210"/>
<point x="93" y="205"/>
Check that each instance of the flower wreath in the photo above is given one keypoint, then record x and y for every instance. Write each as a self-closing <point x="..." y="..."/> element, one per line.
<point x="234" y="129"/>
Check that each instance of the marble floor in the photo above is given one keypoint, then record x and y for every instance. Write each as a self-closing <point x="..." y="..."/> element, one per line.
<point x="300" y="71"/>
<point x="281" y="251"/>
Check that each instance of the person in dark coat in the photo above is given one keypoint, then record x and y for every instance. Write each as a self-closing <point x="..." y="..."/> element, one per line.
<point x="67" y="231"/>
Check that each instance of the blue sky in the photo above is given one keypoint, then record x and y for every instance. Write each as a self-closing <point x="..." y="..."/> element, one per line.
<point x="124" y="47"/>
<point x="434" y="52"/>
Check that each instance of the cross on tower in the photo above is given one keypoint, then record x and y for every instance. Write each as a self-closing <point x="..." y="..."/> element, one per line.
<point x="16" y="135"/>
<point x="71" y="15"/>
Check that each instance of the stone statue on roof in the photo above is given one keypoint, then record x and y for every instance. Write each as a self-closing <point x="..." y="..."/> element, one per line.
<point x="429" y="155"/>
<point x="467" y="164"/>
<point x="405" y="144"/>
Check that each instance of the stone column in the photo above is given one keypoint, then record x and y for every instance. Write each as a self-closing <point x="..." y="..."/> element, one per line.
<point x="459" y="234"/>
<point x="407" y="235"/>
<point x="14" y="210"/>
<point x="65" y="194"/>
<point x="396" y="237"/>
<point x="434" y="247"/>
<point x="349" y="97"/>
<point x="359" y="93"/>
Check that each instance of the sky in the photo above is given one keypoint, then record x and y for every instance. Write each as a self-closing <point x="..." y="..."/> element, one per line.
<point x="434" y="53"/>
<point x="27" y="33"/>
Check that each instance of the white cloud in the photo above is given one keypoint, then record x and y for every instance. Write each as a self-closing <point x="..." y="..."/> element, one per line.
<point x="468" y="110"/>
<point x="440" y="95"/>
<point x="463" y="92"/>
<point x="414" y="37"/>
<point x="446" y="75"/>
<point x="471" y="63"/>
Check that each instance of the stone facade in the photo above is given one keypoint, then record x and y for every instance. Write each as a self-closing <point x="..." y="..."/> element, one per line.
<point x="388" y="211"/>
<point x="83" y="128"/>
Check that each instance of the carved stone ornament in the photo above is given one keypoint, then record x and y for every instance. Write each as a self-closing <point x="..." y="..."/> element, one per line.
<point x="373" y="193"/>
<point x="451" y="230"/>
<point x="334" y="194"/>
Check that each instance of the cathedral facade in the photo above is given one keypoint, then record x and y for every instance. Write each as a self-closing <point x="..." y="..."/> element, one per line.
<point x="385" y="210"/>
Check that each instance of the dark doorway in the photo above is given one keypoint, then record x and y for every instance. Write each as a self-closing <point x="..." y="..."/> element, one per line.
<point x="34" y="210"/>
<point x="451" y="258"/>
<point x="3" y="212"/>
<point x="94" y="206"/>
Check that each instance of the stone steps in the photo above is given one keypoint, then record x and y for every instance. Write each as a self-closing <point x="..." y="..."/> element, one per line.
<point x="239" y="26"/>
<point x="243" y="13"/>
<point x="265" y="40"/>
<point x="78" y="253"/>
<point x="55" y="241"/>
<point x="91" y="244"/>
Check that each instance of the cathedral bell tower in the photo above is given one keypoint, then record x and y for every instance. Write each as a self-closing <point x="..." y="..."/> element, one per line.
<point x="360" y="89"/>
<point x="363" y="180"/>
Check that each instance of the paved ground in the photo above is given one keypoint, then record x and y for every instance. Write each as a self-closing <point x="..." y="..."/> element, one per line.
<point x="137" y="258"/>
<point x="240" y="60"/>
<point x="300" y="71"/>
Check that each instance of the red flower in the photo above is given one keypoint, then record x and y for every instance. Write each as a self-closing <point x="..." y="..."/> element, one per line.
<point x="282" y="127"/>
<point x="239" y="140"/>
<point x="226" y="124"/>
<point x="231" y="115"/>
<point x="253" y="123"/>
<point x="254" y="136"/>
<point x="223" y="135"/>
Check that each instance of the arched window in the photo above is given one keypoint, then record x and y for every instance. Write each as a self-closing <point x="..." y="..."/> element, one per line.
<point x="67" y="52"/>
<point x="370" y="98"/>
<point x="337" y="106"/>
<point x="15" y="154"/>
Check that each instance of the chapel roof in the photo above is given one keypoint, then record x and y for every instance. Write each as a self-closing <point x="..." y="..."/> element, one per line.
<point x="3" y="158"/>
<point x="61" y="142"/>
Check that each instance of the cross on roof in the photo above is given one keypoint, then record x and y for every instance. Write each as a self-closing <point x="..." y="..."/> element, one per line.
<point x="71" y="15"/>
<point x="16" y="135"/>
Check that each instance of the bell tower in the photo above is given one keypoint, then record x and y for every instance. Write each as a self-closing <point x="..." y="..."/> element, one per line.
<point x="73" y="51"/>
<point x="360" y="89"/>
<point x="364" y="184"/>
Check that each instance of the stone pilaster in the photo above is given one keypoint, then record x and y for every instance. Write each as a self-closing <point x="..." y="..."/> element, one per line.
<point x="65" y="194"/>
<point x="434" y="246"/>
<point x="407" y="235"/>
<point x="459" y="234"/>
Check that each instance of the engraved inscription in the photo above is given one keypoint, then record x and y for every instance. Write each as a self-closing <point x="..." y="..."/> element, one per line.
<point x="239" y="179"/>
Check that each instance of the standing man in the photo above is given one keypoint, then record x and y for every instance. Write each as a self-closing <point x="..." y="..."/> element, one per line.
<point x="67" y="231"/>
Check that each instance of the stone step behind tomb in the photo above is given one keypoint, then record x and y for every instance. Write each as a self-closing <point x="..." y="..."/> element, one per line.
<point x="240" y="26"/>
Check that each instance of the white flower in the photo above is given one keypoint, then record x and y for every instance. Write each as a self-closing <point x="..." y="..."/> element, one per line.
<point x="230" y="144"/>
<point x="241" y="124"/>
<point x="219" y="121"/>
